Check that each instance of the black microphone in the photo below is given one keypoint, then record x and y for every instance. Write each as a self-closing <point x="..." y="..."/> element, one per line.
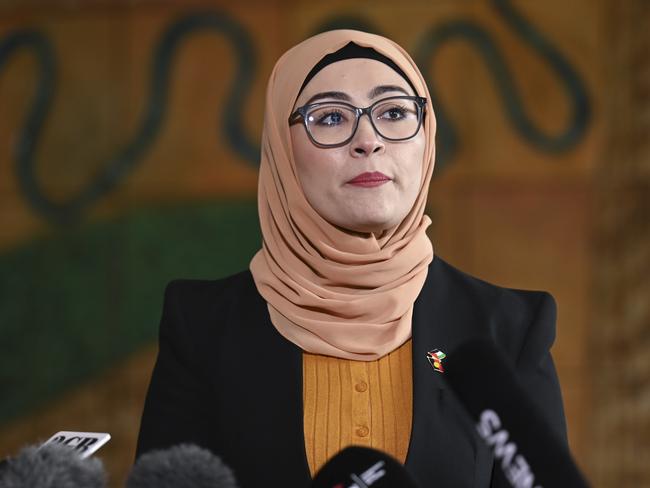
<point x="525" y="446"/>
<point x="182" y="466"/>
<point x="362" y="467"/>
<point x="51" y="466"/>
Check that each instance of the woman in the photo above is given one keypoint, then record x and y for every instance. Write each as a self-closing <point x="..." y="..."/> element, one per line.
<point x="323" y="343"/>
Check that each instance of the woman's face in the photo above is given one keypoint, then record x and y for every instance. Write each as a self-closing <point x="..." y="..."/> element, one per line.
<point x="345" y="184"/>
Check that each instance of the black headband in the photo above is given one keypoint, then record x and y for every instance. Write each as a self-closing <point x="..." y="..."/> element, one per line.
<point x="351" y="51"/>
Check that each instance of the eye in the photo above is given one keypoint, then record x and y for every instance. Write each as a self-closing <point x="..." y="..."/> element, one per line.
<point x="330" y="117"/>
<point x="394" y="112"/>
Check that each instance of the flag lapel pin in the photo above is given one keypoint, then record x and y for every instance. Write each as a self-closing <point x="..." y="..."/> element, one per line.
<point x="435" y="357"/>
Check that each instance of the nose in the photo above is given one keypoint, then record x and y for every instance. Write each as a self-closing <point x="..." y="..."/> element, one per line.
<point x="366" y="141"/>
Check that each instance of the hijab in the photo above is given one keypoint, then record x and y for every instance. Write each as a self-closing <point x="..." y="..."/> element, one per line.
<point x="331" y="291"/>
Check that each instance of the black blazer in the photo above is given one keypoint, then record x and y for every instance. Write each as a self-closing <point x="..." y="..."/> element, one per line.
<point x="226" y="380"/>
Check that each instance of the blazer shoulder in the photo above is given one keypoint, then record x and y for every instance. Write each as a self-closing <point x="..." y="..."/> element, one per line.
<point x="507" y="315"/>
<point x="451" y="280"/>
<point x="202" y="292"/>
<point x="204" y="304"/>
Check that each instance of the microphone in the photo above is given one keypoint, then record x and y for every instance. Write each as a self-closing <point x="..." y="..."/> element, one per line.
<point x="182" y="466"/>
<point x="362" y="467"/>
<point x="526" y="448"/>
<point x="51" y="466"/>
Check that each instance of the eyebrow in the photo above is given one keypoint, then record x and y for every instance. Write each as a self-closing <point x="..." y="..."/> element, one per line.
<point x="381" y="89"/>
<point x="330" y="94"/>
<point x="374" y="93"/>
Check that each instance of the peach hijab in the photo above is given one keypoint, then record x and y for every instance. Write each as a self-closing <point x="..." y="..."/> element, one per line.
<point x="331" y="291"/>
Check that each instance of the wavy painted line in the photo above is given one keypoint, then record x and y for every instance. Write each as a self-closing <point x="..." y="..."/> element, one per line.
<point x="117" y="168"/>
<point x="71" y="210"/>
<point x="574" y="87"/>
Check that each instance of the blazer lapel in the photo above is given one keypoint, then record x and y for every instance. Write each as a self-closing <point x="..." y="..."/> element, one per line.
<point x="443" y="448"/>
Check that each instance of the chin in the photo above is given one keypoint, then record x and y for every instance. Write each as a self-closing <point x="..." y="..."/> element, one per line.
<point x="364" y="216"/>
<point x="367" y="225"/>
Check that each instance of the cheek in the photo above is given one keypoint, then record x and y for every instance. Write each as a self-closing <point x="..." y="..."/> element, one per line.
<point x="305" y="156"/>
<point x="317" y="168"/>
<point x="411" y="161"/>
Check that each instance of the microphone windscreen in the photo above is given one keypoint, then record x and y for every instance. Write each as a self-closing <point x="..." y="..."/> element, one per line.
<point x="361" y="467"/>
<point x="52" y="466"/>
<point x="523" y="442"/>
<point x="182" y="466"/>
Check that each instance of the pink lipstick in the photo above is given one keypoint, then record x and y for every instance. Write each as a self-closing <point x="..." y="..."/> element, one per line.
<point x="369" y="180"/>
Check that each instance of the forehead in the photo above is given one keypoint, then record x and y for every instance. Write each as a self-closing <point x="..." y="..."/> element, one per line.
<point x="355" y="77"/>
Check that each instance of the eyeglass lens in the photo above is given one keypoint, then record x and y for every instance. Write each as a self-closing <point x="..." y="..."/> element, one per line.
<point x="335" y="123"/>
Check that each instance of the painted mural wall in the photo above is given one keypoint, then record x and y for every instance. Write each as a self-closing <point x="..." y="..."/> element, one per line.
<point x="129" y="142"/>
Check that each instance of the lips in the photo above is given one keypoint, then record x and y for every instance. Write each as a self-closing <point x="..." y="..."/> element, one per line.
<point x="370" y="179"/>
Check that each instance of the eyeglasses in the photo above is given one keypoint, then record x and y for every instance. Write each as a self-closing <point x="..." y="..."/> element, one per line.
<point x="332" y="124"/>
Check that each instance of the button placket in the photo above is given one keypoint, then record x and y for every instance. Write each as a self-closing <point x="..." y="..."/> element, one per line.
<point x="360" y="401"/>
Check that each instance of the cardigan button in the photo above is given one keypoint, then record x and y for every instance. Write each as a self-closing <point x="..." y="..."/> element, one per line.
<point x="362" y="431"/>
<point x="361" y="386"/>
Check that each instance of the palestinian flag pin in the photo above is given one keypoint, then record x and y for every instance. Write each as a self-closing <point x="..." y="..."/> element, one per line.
<point x="435" y="357"/>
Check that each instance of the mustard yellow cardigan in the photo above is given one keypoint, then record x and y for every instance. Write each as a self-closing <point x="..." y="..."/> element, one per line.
<point x="357" y="403"/>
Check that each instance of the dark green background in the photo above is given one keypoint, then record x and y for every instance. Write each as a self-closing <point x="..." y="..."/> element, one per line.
<point x="83" y="299"/>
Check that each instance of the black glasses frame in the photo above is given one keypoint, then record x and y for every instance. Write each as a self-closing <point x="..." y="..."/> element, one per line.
<point x="301" y="113"/>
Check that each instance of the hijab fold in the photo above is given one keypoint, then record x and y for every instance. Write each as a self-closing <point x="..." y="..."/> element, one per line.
<point x="329" y="290"/>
